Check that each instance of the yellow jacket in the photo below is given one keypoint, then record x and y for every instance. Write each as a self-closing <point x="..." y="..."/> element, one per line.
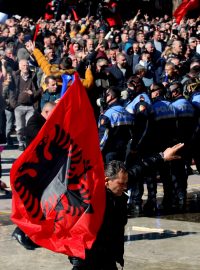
<point x="53" y="69"/>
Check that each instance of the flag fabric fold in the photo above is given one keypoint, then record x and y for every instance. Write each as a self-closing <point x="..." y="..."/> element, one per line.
<point x="37" y="28"/>
<point x="58" y="182"/>
<point x="183" y="8"/>
<point x="76" y="18"/>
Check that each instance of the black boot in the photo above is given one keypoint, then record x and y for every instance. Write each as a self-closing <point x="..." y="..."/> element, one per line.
<point x="23" y="239"/>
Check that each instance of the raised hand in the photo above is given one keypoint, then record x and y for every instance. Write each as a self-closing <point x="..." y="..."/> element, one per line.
<point x="30" y="46"/>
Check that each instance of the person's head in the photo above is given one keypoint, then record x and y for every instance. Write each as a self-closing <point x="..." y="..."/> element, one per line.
<point x="140" y="71"/>
<point x="5" y="32"/>
<point x="140" y="37"/>
<point x="74" y="61"/>
<point x="175" y="60"/>
<point x="156" y="36"/>
<point x="20" y="36"/>
<point x="9" y="52"/>
<point x="24" y="66"/>
<point x="149" y="47"/>
<point x="48" y="109"/>
<point x="47" y="41"/>
<point x="156" y="90"/>
<point x="75" y="47"/>
<point x="121" y="60"/>
<point x="90" y="45"/>
<point x="112" y="54"/>
<point x="117" y="38"/>
<point x="102" y="33"/>
<point x="66" y="63"/>
<point x="53" y="38"/>
<point x="124" y="37"/>
<point x="162" y="35"/>
<point x="170" y="69"/>
<point x="136" y="47"/>
<point x="175" y="90"/>
<point x="177" y="47"/>
<point x="49" y="53"/>
<point x="13" y="31"/>
<point x="51" y="84"/>
<point x="192" y="43"/>
<point x="101" y="64"/>
<point x="194" y="63"/>
<point x="135" y="86"/>
<point x="116" y="177"/>
<point x="145" y="56"/>
<point x="112" y="95"/>
<point x="184" y="35"/>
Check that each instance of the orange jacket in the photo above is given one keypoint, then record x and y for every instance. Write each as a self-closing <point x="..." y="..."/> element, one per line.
<point x="53" y="69"/>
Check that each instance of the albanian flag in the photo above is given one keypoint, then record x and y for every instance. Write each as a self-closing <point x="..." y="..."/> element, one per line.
<point x="184" y="7"/>
<point x="58" y="182"/>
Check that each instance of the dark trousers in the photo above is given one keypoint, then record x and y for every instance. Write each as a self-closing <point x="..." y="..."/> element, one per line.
<point x="93" y="262"/>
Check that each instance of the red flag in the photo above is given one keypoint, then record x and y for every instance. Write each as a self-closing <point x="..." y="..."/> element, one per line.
<point x="76" y="18"/>
<point x="183" y="8"/>
<point x="58" y="182"/>
<point x="37" y="28"/>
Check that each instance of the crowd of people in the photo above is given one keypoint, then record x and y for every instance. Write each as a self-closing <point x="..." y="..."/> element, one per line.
<point x="142" y="76"/>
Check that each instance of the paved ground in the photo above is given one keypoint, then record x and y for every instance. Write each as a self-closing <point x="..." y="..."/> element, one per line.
<point x="163" y="242"/>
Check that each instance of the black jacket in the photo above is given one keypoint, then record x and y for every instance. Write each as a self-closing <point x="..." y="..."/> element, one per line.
<point x="109" y="244"/>
<point x="34" y="124"/>
<point x="117" y="78"/>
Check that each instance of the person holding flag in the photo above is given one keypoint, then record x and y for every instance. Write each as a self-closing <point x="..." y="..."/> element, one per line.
<point x="58" y="186"/>
<point x="34" y="124"/>
<point x="58" y="181"/>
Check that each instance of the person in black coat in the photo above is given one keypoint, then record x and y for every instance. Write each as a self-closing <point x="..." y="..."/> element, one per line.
<point x="37" y="120"/>
<point x="34" y="124"/>
<point x="108" y="248"/>
<point x="120" y="72"/>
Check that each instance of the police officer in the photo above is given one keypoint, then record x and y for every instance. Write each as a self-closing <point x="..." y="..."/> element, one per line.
<point x="164" y="128"/>
<point x="185" y="125"/>
<point x="141" y="109"/>
<point x="192" y="91"/>
<point x="114" y="127"/>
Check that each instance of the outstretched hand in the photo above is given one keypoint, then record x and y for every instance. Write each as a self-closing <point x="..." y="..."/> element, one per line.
<point x="171" y="152"/>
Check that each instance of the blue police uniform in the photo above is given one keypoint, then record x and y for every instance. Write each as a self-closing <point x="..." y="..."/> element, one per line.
<point x="195" y="100"/>
<point x="164" y="125"/>
<point x="164" y="130"/>
<point x="141" y="109"/>
<point x="114" y="132"/>
<point x="185" y="125"/>
<point x="185" y="120"/>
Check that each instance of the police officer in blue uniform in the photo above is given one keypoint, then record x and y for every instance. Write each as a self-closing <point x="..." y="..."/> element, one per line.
<point x="141" y="108"/>
<point x="192" y="91"/>
<point x="164" y="129"/>
<point x="115" y="126"/>
<point x="185" y="126"/>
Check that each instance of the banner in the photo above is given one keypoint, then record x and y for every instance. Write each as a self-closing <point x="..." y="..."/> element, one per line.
<point x="183" y="8"/>
<point x="58" y="182"/>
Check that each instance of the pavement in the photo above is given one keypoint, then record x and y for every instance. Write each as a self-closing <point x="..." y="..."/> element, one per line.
<point x="153" y="243"/>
